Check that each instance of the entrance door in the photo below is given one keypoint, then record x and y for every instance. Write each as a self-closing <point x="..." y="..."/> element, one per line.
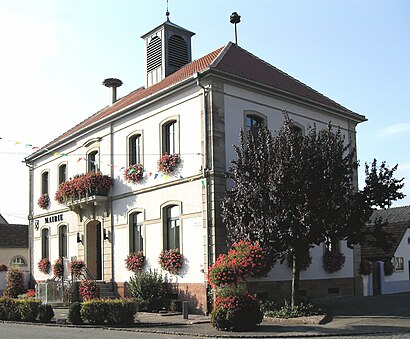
<point x="93" y="249"/>
<point x="376" y="279"/>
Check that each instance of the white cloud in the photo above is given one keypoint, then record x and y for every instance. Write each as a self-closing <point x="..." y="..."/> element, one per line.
<point x="395" y="129"/>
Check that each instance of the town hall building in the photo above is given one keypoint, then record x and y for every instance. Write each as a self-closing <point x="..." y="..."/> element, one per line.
<point x="194" y="110"/>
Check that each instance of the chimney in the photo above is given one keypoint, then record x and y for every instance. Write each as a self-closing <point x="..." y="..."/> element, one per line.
<point x="113" y="84"/>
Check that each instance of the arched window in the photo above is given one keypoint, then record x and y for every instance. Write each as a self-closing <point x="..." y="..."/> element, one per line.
<point x="92" y="163"/>
<point x="170" y="137"/>
<point x="44" y="182"/>
<point x="172" y="227"/>
<point x="134" y="149"/>
<point x="45" y="243"/>
<point x="253" y="121"/>
<point x="136" y="236"/>
<point x="62" y="241"/>
<point x="62" y="173"/>
<point x="18" y="260"/>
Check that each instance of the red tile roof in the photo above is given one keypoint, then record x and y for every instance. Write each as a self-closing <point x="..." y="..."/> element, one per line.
<point x="229" y="59"/>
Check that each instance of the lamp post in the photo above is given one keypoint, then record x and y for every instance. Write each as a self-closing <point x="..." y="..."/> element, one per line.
<point x="235" y="19"/>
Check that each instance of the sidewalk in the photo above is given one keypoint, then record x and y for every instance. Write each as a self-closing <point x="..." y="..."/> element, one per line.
<point x="352" y="316"/>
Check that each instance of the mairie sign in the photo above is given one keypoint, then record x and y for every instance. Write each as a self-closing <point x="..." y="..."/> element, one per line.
<point x="53" y="218"/>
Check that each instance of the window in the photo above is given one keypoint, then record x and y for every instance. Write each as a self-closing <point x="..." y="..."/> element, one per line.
<point x="92" y="161"/>
<point x="253" y="120"/>
<point x="18" y="261"/>
<point x="62" y="173"/>
<point x="62" y="241"/>
<point x="44" y="182"/>
<point x="399" y="263"/>
<point x="134" y="149"/>
<point x="45" y="249"/>
<point x="332" y="245"/>
<point x="169" y="137"/>
<point x="298" y="129"/>
<point x="172" y="226"/>
<point x="137" y="239"/>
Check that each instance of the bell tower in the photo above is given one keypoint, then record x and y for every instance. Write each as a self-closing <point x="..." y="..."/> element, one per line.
<point x="167" y="49"/>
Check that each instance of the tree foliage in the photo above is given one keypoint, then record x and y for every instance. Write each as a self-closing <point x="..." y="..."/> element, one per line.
<point x="293" y="191"/>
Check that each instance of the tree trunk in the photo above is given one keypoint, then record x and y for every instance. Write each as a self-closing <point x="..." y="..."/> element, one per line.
<point x="295" y="282"/>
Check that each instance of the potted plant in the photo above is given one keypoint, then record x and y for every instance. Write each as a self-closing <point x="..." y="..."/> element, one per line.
<point x="388" y="267"/>
<point x="44" y="265"/>
<point x="135" y="262"/>
<point x="171" y="260"/>
<point x="44" y="201"/>
<point x="134" y="173"/>
<point x="89" y="289"/>
<point x="167" y="163"/>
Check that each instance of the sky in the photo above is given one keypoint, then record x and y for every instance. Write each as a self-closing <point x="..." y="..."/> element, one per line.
<point x="56" y="53"/>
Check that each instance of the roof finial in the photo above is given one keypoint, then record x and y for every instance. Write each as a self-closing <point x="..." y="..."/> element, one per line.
<point x="167" y="12"/>
<point x="235" y="19"/>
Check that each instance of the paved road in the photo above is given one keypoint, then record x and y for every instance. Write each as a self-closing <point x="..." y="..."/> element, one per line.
<point x="23" y="331"/>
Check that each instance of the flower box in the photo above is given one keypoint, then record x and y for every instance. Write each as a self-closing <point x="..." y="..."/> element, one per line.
<point x="168" y="162"/>
<point x="44" y="265"/>
<point x="134" y="173"/>
<point x="44" y="201"/>
<point x="171" y="260"/>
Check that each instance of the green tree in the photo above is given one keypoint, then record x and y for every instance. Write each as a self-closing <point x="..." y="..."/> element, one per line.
<point x="294" y="191"/>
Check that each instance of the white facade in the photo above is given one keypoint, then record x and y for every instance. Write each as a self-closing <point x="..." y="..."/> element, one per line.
<point x="208" y="110"/>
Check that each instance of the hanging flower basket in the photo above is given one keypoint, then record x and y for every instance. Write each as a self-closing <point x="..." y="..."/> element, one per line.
<point x="304" y="260"/>
<point x="134" y="173"/>
<point x="168" y="162"/>
<point x="333" y="261"/>
<point x="171" y="260"/>
<point x="388" y="267"/>
<point x="366" y="267"/>
<point x="44" y="265"/>
<point x="76" y="267"/>
<point x="58" y="268"/>
<point x="44" y="201"/>
<point x="135" y="262"/>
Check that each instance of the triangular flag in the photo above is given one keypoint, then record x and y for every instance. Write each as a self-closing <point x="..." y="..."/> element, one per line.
<point x="150" y="173"/>
<point x="35" y="147"/>
<point x="131" y="170"/>
<point x="181" y="177"/>
<point x="203" y="183"/>
<point x="17" y="142"/>
<point x="156" y="174"/>
<point x="56" y="153"/>
<point x="122" y="168"/>
<point x="79" y="159"/>
<point x="27" y="145"/>
<point x="166" y="177"/>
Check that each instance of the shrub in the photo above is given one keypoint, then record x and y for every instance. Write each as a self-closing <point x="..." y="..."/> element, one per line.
<point x="147" y="288"/>
<point x="3" y="268"/>
<point x="74" y="314"/>
<point x="45" y="313"/>
<point x="168" y="162"/>
<point x="289" y="311"/>
<point x="44" y="201"/>
<point x="15" y="283"/>
<point x="135" y="262"/>
<point x="44" y="265"/>
<point x="171" y="260"/>
<point x="121" y="311"/>
<point x="94" y="311"/>
<point x="333" y="261"/>
<point x="30" y="294"/>
<point x="89" y="289"/>
<point x="58" y="268"/>
<point x="388" y="267"/>
<point x="366" y="267"/>
<point x="134" y="173"/>
<point x="222" y="272"/>
<point x="76" y="267"/>
<point x="235" y="309"/>
<point x="9" y="309"/>
<point x="28" y="309"/>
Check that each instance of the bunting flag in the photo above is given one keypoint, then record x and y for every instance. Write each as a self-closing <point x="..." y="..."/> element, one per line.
<point x="203" y="183"/>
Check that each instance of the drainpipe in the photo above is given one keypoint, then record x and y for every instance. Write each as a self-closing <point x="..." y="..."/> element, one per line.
<point x="110" y="207"/>
<point x="31" y="222"/>
<point x="205" y="170"/>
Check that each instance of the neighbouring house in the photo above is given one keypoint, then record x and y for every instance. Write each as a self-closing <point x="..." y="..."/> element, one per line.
<point x="193" y="111"/>
<point x="14" y="250"/>
<point x="382" y="281"/>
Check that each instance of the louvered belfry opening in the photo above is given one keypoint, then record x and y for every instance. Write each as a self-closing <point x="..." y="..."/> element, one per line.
<point x="154" y="54"/>
<point x="178" y="51"/>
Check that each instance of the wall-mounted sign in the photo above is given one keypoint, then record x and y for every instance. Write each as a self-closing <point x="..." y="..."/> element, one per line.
<point x="36" y="224"/>
<point x="53" y="218"/>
